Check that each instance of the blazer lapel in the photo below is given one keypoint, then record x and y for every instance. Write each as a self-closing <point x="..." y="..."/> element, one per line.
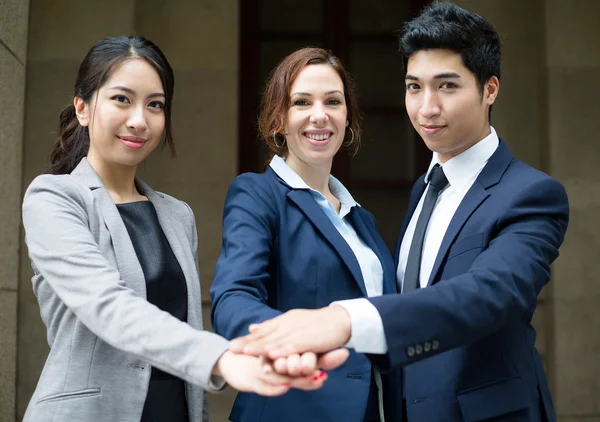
<point x="365" y="232"/>
<point x="489" y="176"/>
<point x="304" y="200"/>
<point x="127" y="261"/>
<point x="474" y="197"/>
<point x="177" y="238"/>
<point x="415" y="196"/>
<point x="128" y="265"/>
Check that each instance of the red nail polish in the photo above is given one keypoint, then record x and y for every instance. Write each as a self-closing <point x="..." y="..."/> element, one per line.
<point x="322" y="374"/>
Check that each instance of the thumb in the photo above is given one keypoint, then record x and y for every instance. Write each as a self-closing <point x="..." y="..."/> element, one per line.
<point x="333" y="359"/>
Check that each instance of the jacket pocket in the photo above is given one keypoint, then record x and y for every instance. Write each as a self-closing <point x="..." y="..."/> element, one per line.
<point x="494" y="399"/>
<point x="466" y="244"/>
<point x="88" y="392"/>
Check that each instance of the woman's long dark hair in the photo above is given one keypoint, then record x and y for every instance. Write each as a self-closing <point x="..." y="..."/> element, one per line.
<point x="73" y="140"/>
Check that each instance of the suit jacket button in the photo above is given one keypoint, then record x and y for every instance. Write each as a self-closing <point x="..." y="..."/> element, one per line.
<point x="435" y="344"/>
<point x="419" y="349"/>
<point x="427" y="346"/>
<point x="410" y="351"/>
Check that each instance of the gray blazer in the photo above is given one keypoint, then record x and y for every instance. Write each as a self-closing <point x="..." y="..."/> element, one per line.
<point x="103" y="334"/>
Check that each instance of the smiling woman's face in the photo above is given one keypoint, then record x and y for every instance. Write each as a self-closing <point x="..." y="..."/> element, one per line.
<point x="317" y="117"/>
<point x="125" y="117"/>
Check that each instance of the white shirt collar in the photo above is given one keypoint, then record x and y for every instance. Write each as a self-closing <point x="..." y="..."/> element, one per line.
<point x="293" y="179"/>
<point x="460" y="170"/>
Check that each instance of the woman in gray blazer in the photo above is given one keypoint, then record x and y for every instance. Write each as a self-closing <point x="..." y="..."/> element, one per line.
<point x="115" y="263"/>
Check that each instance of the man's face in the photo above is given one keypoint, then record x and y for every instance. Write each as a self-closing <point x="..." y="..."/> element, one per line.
<point x="444" y="103"/>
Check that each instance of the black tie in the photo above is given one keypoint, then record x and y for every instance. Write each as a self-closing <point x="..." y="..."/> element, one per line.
<point x="437" y="183"/>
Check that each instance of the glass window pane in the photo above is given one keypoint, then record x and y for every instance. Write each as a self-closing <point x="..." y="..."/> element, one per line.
<point x="304" y="16"/>
<point x="386" y="151"/>
<point x="382" y="16"/>
<point x="377" y="70"/>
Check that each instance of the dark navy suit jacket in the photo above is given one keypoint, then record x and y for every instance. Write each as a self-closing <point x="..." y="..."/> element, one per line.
<point x="281" y="252"/>
<point x="466" y="341"/>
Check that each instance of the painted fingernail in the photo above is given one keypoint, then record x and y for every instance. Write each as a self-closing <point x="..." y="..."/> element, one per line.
<point x="322" y="374"/>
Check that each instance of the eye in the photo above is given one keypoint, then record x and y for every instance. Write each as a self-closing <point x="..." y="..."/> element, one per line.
<point x="157" y="105"/>
<point x="300" y="103"/>
<point x="120" y="99"/>
<point x="448" y="85"/>
<point x="334" y="101"/>
<point x="412" y="87"/>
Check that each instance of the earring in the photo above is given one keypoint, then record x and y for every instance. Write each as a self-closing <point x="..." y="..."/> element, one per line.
<point x="351" y="140"/>
<point x="275" y="141"/>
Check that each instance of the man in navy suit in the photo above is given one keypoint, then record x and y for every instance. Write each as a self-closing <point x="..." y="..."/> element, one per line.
<point x="474" y="252"/>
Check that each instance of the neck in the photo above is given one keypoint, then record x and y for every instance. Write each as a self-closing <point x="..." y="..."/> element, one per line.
<point x="118" y="180"/>
<point x="482" y="134"/>
<point x="316" y="177"/>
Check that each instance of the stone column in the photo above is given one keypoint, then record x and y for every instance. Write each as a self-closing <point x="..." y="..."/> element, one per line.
<point x="573" y="62"/>
<point x="13" y="57"/>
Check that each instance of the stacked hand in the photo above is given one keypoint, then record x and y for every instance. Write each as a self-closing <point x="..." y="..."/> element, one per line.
<point x="283" y="353"/>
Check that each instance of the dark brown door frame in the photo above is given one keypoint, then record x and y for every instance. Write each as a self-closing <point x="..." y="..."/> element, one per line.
<point x="334" y="39"/>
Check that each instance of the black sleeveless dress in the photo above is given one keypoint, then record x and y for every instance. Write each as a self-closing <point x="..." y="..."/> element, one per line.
<point x="165" y="288"/>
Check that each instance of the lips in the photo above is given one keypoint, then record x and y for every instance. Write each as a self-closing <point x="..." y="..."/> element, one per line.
<point x="132" y="142"/>
<point x="432" y="129"/>
<point x="319" y="138"/>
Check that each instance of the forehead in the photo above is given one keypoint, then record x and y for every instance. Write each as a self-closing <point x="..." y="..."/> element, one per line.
<point x="428" y="63"/>
<point x="136" y="74"/>
<point x="317" y="78"/>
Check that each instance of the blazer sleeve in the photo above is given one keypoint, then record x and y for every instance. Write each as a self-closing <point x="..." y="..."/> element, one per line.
<point x="500" y="287"/>
<point x="62" y="249"/>
<point x="241" y="287"/>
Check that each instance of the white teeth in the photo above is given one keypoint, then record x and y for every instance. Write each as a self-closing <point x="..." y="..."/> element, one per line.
<point x="318" y="137"/>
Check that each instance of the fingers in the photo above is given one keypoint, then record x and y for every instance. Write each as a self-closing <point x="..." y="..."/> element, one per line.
<point x="308" y="363"/>
<point x="281" y="365"/>
<point x="311" y="382"/>
<point x="331" y="360"/>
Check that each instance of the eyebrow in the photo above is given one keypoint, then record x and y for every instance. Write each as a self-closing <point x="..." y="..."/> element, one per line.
<point x="327" y="93"/>
<point x="447" y="75"/>
<point x="132" y="92"/>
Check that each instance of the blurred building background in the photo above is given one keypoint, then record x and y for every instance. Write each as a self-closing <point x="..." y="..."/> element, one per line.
<point x="221" y="51"/>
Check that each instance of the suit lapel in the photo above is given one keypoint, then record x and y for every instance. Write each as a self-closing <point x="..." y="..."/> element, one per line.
<point x="304" y="200"/>
<point x="489" y="176"/>
<point x="127" y="262"/>
<point x="172" y="228"/>
<point x="474" y="197"/>
<point x="366" y="233"/>
<point x="415" y="196"/>
<point x="177" y="238"/>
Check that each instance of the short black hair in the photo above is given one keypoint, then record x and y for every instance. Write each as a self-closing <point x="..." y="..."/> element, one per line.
<point x="446" y="26"/>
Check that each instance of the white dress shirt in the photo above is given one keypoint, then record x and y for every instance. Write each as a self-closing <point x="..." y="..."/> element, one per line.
<point x="461" y="172"/>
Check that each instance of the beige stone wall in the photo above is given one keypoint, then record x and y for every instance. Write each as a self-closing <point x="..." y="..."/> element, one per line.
<point x="199" y="37"/>
<point x="13" y="57"/>
<point x="573" y="63"/>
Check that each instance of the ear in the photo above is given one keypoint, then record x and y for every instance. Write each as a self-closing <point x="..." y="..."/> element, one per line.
<point x="82" y="110"/>
<point x="347" y="123"/>
<point x="490" y="90"/>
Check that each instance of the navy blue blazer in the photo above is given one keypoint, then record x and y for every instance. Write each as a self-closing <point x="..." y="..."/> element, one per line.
<point x="466" y="341"/>
<point x="281" y="252"/>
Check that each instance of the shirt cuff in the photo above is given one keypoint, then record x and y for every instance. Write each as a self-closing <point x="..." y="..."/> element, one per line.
<point x="367" y="334"/>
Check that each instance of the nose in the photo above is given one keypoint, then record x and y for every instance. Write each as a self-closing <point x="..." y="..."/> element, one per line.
<point x="318" y="114"/>
<point x="430" y="107"/>
<point x="137" y="119"/>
